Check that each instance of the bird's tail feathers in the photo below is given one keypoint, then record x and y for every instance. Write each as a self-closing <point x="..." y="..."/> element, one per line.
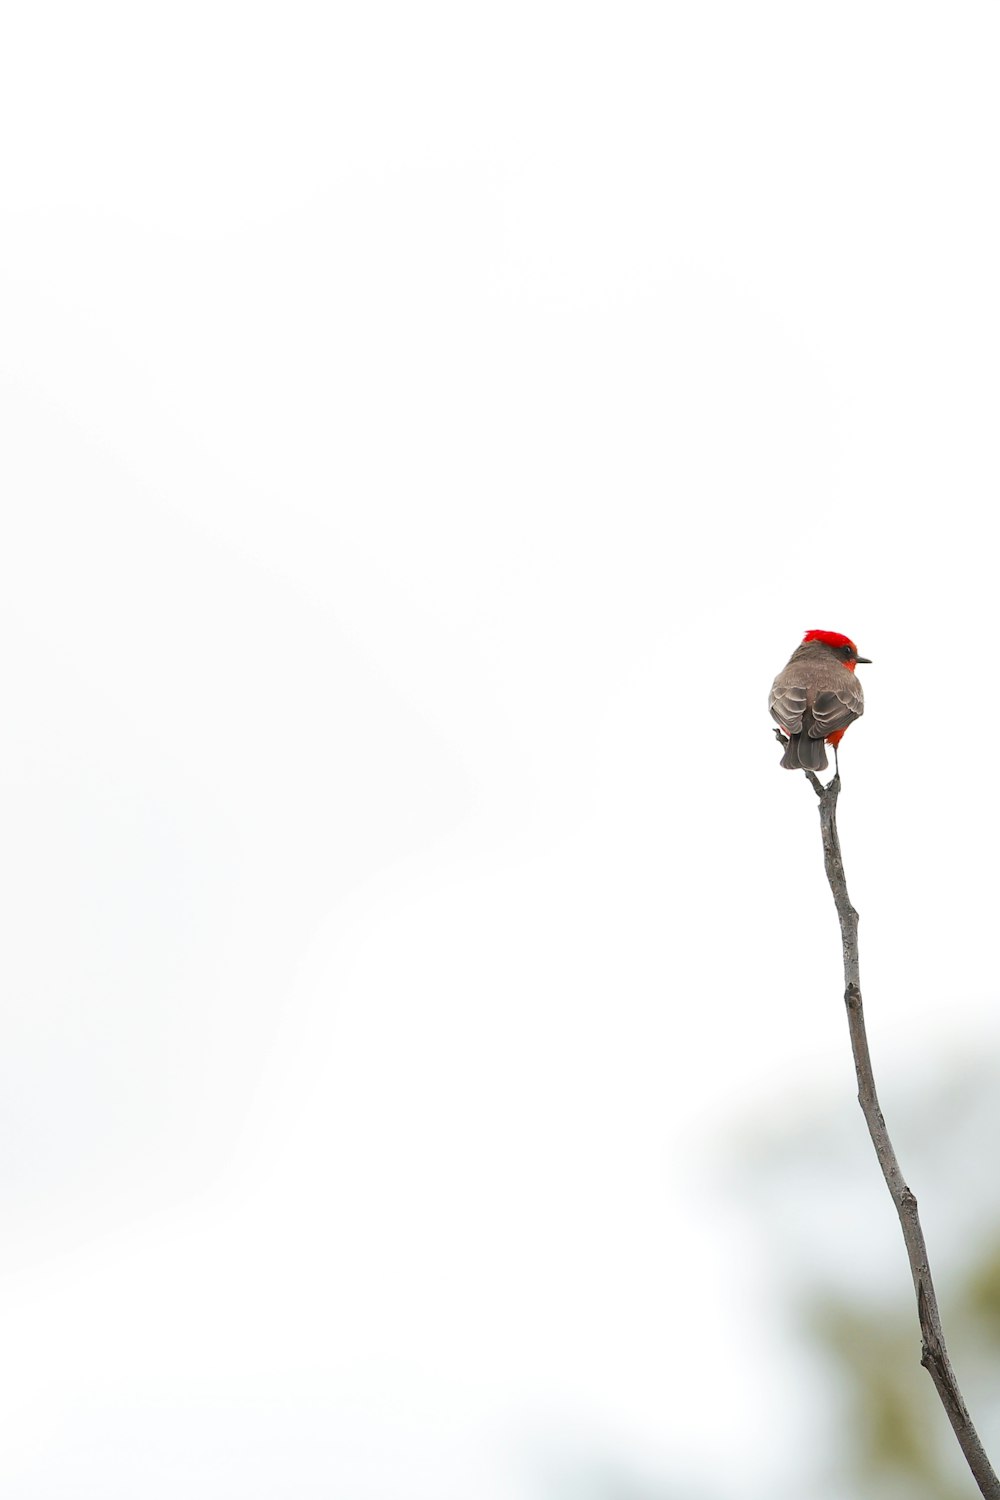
<point x="804" y="754"/>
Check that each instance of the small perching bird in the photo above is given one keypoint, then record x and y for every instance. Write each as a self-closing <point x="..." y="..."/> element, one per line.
<point x="815" y="697"/>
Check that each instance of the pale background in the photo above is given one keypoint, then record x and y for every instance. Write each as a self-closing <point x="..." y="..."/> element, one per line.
<point x="426" y="431"/>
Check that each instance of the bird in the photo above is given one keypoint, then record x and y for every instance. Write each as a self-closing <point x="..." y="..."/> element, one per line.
<point x="816" y="696"/>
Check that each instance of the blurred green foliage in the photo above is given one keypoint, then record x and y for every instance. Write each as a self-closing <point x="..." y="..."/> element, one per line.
<point x="887" y="1437"/>
<point x="870" y="1425"/>
<point x="893" y="1437"/>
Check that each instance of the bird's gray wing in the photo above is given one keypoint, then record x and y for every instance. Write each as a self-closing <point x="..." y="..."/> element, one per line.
<point x="834" y="709"/>
<point x="787" y="704"/>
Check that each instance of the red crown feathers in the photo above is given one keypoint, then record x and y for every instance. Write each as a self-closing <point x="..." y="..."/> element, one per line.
<point x="829" y="638"/>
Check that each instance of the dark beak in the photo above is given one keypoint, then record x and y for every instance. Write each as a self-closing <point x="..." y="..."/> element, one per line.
<point x="863" y="661"/>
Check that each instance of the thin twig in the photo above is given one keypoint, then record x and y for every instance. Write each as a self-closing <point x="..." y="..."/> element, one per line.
<point x="935" y="1356"/>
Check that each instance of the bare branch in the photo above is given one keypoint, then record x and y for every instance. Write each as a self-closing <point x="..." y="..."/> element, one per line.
<point x="935" y="1356"/>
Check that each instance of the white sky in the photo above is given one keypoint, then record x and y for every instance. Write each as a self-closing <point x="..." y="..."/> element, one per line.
<point x="426" y="431"/>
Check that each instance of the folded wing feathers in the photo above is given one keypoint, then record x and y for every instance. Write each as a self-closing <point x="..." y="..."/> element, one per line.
<point x="835" y="710"/>
<point x="832" y="709"/>
<point x="787" y="705"/>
